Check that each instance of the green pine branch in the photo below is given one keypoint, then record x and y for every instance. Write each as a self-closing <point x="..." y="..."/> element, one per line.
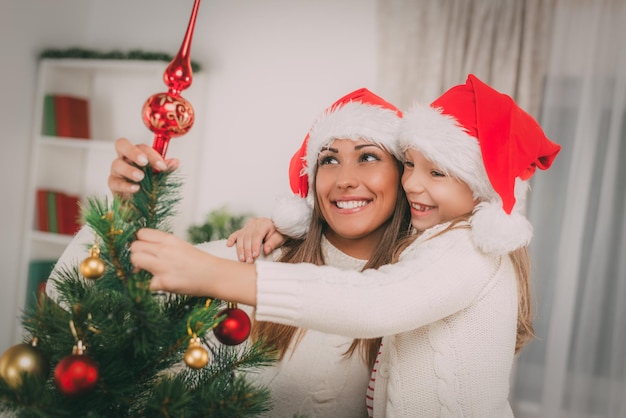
<point x="138" y="338"/>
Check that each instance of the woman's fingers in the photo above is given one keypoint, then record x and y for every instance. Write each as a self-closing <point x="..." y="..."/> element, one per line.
<point x="125" y="173"/>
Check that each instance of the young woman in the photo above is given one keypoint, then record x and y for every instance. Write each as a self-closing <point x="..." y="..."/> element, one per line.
<point x="454" y="309"/>
<point x="348" y="204"/>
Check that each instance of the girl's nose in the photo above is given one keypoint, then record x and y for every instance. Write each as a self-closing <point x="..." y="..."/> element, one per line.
<point x="412" y="183"/>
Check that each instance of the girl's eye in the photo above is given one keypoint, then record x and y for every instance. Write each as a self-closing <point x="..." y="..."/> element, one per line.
<point x="326" y="160"/>
<point x="409" y="164"/>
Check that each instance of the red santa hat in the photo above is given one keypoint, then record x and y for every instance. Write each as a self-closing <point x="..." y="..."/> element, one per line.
<point x="358" y="115"/>
<point x="485" y="139"/>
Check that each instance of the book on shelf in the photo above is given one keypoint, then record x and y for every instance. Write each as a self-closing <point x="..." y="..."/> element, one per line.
<point x="49" y="122"/>
<point x="57" y="212"/>
<point x="38" y="273"/>
<point x="66" y="116"/>
<point x="42" y="210"/>
<point x="68" y="213"/>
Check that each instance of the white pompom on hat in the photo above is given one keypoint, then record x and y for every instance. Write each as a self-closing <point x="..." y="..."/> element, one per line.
<point x="358" y="115"/>
<point x="482" y="137"/>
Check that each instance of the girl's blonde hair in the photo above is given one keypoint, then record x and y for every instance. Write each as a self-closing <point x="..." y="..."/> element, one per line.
<point x="309" y="250"/>
<point x="521" y="263"/>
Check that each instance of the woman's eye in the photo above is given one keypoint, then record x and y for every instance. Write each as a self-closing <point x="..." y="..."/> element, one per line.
<point x="409" y="164"/>
<point x="369" y="157"/>
<point x="436" y="173"/>
<point x="326" y="160"/>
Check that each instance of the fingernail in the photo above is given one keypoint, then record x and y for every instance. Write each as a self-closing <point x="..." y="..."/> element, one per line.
<point x="161" y="165"/>
<point x="241" y="257"/>
<point x="143" y="160"/>
<point x="134" y="188"/>
<point x="138" y="175"/>
<point x="249" y="260"/>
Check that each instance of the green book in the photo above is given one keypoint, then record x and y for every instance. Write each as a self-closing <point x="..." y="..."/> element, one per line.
<point x="38" y="273"/>
<point x="49" y="117"/>
<point x="53" y="224"/>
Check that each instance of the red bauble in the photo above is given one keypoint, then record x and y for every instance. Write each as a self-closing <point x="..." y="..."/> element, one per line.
<point x="235" y="328"/>
<point x="76" y="374"/>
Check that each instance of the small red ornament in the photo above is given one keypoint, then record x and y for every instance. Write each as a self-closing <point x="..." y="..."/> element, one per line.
<point x="235" y="328"/>
<point x="76" y="374"/>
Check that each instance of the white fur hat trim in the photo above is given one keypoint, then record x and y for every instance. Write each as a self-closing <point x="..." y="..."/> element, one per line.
<point x="353" y="120"/>
<point x="291" y="215"/>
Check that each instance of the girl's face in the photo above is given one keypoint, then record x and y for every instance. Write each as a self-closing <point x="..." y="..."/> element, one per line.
<point x="433" y="196"/>
<point x="356" y="185"/>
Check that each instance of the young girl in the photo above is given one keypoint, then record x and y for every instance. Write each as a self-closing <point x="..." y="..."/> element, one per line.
<point x="348" y="203"/>
<point x="454" y="309"/>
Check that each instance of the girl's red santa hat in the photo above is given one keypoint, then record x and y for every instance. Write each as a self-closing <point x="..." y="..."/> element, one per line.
<point x="482" y="137"/>
<point x="358" y="115"/>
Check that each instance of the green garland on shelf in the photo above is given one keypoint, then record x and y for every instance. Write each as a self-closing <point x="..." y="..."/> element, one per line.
<point x="134" y="54"/>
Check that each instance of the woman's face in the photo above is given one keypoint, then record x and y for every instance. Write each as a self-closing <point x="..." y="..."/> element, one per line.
<point x="433" y="196"/>
<point x="356" y="185"/>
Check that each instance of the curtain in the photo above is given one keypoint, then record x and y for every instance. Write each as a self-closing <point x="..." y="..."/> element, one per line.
<point x="576" y="367"/>
<point x="426" y="47"/>
<point x="565" y="63"/>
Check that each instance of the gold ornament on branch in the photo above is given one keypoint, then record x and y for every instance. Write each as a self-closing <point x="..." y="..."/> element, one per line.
<point x="196" y="355"/>
<point x="23" y="359"/>
<point x="92" y="267"/>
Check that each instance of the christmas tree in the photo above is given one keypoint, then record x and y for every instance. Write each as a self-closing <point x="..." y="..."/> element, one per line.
<point x="109" y="347"/>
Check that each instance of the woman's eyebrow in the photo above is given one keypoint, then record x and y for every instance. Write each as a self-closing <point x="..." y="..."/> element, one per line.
<point x="361" y="146"/>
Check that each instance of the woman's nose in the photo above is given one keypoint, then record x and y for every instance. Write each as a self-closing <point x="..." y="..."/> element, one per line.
<point x="346" y="178"/>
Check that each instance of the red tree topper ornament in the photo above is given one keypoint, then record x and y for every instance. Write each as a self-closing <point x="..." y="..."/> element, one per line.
<point x="76" y="373"/>
<point x="235" y="328"/>
<point x="168" y="114"/>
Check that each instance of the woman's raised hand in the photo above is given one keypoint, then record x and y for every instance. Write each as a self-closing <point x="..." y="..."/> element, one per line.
<point x="125" y="175"/>
<point x="256" y="233"/>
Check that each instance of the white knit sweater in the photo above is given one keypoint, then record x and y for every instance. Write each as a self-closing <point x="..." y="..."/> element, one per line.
<point x="448" y="313"/>
<point x="315" y="379"/>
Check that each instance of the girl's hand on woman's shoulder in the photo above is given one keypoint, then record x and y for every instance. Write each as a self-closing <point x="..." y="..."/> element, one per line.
<point x="256" y="233"/>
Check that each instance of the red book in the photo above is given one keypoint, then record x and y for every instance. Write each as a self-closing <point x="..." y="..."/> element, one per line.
<point x="53" y="218"/>
<point x="42" y="210"/>
<point x="72" y="116"/>
<point x="69" y="214"/>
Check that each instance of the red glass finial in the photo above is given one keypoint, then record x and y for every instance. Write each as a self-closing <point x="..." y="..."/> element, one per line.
<point x="169" y="114"/>
<point x="178" y="75"/>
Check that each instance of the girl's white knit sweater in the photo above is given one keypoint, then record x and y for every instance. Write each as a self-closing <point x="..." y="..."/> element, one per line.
<point x="447" y="311"/>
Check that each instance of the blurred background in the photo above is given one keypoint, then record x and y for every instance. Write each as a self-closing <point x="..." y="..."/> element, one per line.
<point x="269" y="67"/>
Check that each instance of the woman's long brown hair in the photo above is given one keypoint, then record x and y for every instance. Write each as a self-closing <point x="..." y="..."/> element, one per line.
<point x="309" y="250"/>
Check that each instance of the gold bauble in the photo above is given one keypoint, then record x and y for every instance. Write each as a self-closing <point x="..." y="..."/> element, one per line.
<point x="92" y="267"/>
<point x="22" y="359"/>
<point x="196" y="356"/>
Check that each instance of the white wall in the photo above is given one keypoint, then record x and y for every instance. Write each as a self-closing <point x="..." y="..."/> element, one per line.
<point x="271" y="67"/>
